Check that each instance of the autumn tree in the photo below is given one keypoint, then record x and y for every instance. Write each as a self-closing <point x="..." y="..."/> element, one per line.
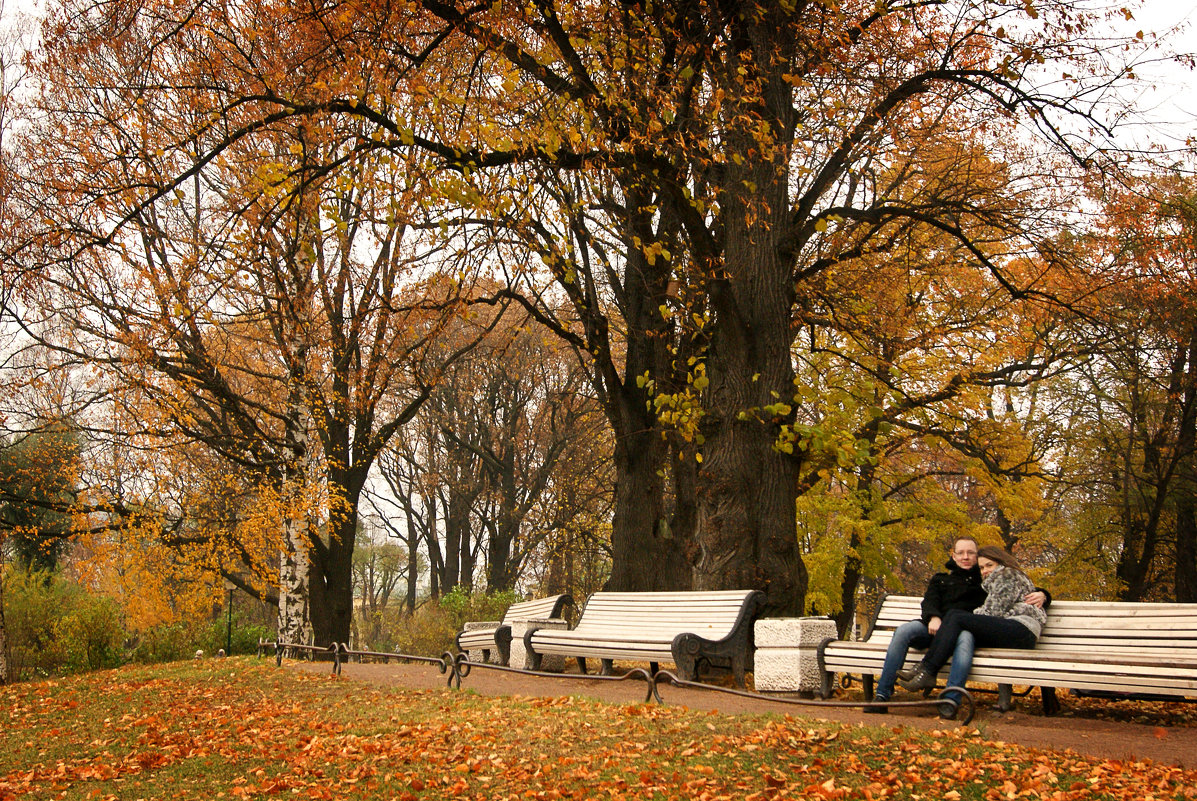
<point x="38" y="482"/>
<point x="1127" y="453"/>
<point x="531" y="411"/>
<point x="512" y="451"/>
<point x="263" y="306"/>
<point x="746" y="143"/>
<point x="733" y="151"/>
<point x="14" y="30"/>
<point x="912" y="369"/>
<point x="379" y="567"/>
<point x="406" y="504"/>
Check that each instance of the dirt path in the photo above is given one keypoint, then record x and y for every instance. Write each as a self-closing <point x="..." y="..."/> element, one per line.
<point x="1165" y="733"/>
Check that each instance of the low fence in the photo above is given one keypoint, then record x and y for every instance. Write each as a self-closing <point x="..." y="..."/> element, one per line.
<point x="458" y="666"/>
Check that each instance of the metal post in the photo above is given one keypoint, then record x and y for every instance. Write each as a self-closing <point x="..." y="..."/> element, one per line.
<point x="228" y="645"/>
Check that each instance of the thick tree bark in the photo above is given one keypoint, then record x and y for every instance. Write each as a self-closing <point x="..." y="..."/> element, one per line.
<point x="457" y="517"/>
<point x="746" y="500"/>
<point x="294" y="596"/>
<point x="436" y="559"/>
<point x="646" y="554"/>
<point x="501" y="572"/>
<point x="1186" y="549"/>
<point x="331" y="583"/>
<point x="294" y="570"/>
<point x="413" y="564"/>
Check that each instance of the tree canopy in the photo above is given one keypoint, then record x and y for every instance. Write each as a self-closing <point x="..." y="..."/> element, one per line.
<point x="805" y="258"/>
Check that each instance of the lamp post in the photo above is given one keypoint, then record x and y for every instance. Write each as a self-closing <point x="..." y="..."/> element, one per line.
<point x="228" y="647"/>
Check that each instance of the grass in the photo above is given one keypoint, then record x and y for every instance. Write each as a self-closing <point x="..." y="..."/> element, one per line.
<point x="242" y="728"/>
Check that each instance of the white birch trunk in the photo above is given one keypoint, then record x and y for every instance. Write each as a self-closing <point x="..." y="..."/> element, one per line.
<point x="294" y="624"/>
<point x="294" y="619"/>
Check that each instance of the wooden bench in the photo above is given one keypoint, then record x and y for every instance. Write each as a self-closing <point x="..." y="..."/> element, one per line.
<point x="686" y="628"/>
<point x="495" y="635"/>
<point x="1115" y="647"/>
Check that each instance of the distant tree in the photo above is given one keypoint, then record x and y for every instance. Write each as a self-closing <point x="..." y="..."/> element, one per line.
<point x="1128" y="454"/>
<point x="379" y="566"/>
<point x="277" y="309"/>
<point x="38" y="485"/>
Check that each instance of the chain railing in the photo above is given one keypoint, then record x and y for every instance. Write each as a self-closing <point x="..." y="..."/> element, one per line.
<point x="458" y="666"/>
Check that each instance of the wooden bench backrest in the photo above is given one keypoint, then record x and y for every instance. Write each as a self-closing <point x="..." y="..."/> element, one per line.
<point x="654" y="615"/>
<point x="1169" y="630"/>
<point x="535" y="609"/>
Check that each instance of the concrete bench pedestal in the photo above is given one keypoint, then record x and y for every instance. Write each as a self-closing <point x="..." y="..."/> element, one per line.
<point x="520" y="658"/>
<point x="787" y="653"/>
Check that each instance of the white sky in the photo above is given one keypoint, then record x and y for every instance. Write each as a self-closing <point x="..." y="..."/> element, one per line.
<point x="1169" y="90"/>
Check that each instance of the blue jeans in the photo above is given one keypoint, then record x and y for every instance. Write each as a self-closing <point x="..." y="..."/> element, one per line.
<point x="914" y="634"/>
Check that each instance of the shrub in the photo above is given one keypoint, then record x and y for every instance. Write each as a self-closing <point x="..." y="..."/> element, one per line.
<point x="214" y="635"/>
<point x="462" y="606"/>
<point x="431" y="629"/>
<point x="90" y="634"/>
<point x="54" y="626"/>
<point x="168" y="642"/>
<point x="162" y="643"/>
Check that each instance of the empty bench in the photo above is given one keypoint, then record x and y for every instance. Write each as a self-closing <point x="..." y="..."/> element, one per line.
<point x="494" y="636"/>
<point x="686" y="628"/>
<point x="1104" y="646"/>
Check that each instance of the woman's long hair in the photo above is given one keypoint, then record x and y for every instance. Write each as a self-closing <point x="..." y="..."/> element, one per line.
<point x="999" y="555"/>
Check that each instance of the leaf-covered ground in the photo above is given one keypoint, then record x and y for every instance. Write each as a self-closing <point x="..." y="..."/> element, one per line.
<point x="240" y="728"/>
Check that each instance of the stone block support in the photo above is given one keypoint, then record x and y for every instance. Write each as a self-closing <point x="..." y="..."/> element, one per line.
<point x="787" y="649"/>
<point x="520" y="658"/>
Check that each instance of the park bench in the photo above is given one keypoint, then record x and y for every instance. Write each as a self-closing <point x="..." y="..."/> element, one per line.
<point x="495" y="635"/>
<point x="687" y="628"/>
<point x="1110" y="647"/>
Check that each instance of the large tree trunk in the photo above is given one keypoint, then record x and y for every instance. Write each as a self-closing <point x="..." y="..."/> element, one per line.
<point x="436" y="559"/>
<point x="413" y="564"/>
<point x="1186" y="548"/>
<point x="457" y="517"/>
<point x="500" y="572"/>
<point x="331" y="583"/>
<point x="294" y="611"/>
<point x="746" y="500"/>
<point x="646" y="556"/>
